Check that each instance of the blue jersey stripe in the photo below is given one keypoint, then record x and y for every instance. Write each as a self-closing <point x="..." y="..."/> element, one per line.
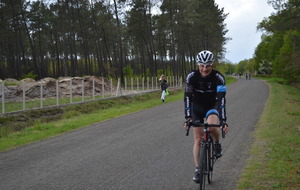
<point x="221" y="88"/>
<point x="212" y="111"/>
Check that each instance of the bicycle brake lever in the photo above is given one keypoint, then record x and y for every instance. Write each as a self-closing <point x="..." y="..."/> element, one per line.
<point x="223" y="133"/>
<point x="188" y="129"/>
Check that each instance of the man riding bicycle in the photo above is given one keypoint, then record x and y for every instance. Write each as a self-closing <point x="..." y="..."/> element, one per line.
<point x="204" y="97"/>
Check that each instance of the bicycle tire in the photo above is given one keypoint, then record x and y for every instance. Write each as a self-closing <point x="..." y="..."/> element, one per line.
<point x="210" y="158"/>
<point x="203" y="166"/>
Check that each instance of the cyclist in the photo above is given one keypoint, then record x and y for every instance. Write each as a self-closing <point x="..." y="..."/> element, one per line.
<point x="204" y="97"/>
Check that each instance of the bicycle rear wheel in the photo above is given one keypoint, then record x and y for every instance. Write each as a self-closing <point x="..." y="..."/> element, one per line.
<point x="211" y="161"/>
<point x="203" y="166"/>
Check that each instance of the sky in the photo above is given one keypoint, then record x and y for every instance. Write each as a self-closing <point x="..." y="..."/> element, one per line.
<point x="243" y="18"/>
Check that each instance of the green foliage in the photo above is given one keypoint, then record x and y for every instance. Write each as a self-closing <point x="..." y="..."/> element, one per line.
<point x="30" y="75"/>
<point x="241" y="67"/>
<point x="128" y="71"/>
<point x="148" y="72"/>
<point x="286" y="18"/>
<point x="223" y="68"/>
<point x="265" y="68"/>
<point x="282" y="46"/>
<point x="290" y="55"/>
<point x="78" y="38"/>
<point x="160" y="72"/>
<point x="282" y="50"/>
<point x="11" y="83"/>
<point x="250" y="67"/>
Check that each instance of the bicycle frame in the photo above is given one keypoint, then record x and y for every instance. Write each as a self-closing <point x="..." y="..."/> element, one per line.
<point x="206" y="157"/>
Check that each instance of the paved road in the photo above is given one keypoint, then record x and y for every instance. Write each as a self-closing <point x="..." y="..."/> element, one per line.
<point x="143" y="150"/>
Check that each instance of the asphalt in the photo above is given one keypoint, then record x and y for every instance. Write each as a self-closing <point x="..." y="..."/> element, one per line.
<point x="144" y="150"/>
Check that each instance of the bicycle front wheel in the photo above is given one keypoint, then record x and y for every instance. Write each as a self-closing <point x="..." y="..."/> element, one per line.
<point x="203" y="166"/>
<point x="211" y="160"/>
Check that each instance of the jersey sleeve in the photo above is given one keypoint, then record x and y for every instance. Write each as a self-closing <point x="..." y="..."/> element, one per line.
<point x="220" y="98"/>
<point x="188" y="96"/>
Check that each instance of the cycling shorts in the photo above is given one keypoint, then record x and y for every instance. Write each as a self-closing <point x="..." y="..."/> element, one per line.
<point x="199" y="113"/>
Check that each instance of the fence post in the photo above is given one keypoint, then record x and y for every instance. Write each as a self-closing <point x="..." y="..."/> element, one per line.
<point x="57" y="93"/>
<point x="103" y="88"/>
<point x="82" y="90"/>
<point x="111" y="86"/>
<point x="2" y="91"/>
<point x="71" y="101"/>
<point x="152" y="83"/>
<point x="125" y="83"/>
<point x="93" y="89"/>
<point x="143" y="83"/>
<point x="147" y="83"/>
<point x="119" y="87"/>
<point x="23" y="95"/>
<point x="41" y="101"/>
<point x="180" y="82"/>
<point x="173" y="78"/>
<point x="137" y="84"/>
<point x="131" y="83"/>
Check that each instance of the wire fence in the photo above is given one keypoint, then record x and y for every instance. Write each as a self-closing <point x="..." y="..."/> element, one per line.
<point x="74" y="90"/>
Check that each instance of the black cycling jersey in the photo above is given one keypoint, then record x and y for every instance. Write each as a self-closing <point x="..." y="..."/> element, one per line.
<point x="208" y="92"/>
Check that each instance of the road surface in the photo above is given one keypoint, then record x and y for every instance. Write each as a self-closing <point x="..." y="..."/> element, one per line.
<point x="143" y="150"/>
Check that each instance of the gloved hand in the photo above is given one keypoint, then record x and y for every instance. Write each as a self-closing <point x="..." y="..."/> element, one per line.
<point x="186" y="124"/>
<point x="224" y="126"/>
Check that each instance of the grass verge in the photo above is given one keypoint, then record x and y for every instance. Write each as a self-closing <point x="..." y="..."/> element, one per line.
<point x="275" y="155"/>
<point x="35" y="125"/>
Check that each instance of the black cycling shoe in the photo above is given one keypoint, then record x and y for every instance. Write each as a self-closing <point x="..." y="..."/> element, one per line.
<point x="218" y="150"/>
<point x="196" y="178"/>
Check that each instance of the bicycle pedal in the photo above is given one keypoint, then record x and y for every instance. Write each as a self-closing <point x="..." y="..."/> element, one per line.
<point x="217" y="157"/>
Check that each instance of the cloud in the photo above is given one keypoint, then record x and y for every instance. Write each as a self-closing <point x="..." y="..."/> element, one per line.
<point x="243" y="18"/>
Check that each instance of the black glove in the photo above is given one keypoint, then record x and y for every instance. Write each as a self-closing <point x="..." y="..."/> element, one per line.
<point x="188" y="124"/>
<point x="223" y="123"/>
<point x="188" y="121"/>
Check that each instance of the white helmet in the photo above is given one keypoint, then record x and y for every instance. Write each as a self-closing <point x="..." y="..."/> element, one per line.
<point x="205" y="56"/>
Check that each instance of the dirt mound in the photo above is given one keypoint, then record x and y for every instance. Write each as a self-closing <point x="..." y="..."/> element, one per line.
<point x="50" y="87"/>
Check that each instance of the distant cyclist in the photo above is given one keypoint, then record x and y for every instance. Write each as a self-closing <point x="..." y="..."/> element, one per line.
<point x="204" y="97"/>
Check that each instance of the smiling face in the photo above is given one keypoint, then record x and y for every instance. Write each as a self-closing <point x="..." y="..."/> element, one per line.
<point x="205" y="69"/>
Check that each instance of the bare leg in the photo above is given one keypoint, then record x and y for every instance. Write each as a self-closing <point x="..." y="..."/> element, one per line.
<point x="213" y="119"/>
<point x="198" y="132"/>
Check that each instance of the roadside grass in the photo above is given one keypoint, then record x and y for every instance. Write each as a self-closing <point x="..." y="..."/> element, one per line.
<point x="77" y="116"/>
<point x="31" y="126"/>
<point x="275" y="155"/>
<point x="36" y="103"/>
<point x="230" y="80"/>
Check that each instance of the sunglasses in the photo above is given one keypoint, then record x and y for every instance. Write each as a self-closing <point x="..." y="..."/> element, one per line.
<point x="206" y="65"/>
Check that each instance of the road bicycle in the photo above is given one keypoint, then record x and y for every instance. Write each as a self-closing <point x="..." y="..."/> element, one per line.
<point x="207" y="156"/>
